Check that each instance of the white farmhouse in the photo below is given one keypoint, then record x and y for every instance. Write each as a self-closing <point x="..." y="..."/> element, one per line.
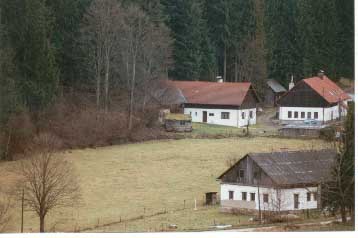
<point x="220" y="103"/>
<point x="316" y="98"/>
<point x="278" y="181"/>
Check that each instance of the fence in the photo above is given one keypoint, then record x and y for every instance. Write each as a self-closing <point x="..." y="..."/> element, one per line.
<point x="101" y="224"/>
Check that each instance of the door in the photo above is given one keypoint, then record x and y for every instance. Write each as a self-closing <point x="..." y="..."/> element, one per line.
<point x="295" y="201"/>
<point x="205" y="116"/>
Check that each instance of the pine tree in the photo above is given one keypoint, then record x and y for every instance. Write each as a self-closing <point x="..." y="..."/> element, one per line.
<point x="345" y="13"/>
<point x="219" y="31"/>
<point x="67" y="16"/>
<point x="283" y="48"/>
<point x="8" y="92"/>
<point x="185" y="22"/>
<point x="29" y="24"/>
<point x="318" y="35"/>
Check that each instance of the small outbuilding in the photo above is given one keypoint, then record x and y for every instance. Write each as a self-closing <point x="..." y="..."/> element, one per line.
<point x="176" y="122"/>
<point x="211" y="198"/>
<point x="274" y="91"/>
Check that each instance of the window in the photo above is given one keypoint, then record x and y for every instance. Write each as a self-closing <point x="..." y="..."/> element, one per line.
<point x="244" y="196"/>
<point x="231" y="195"/>
<point x="211" y="114"/>
<point x="251" y="114"/>
<point x="308" y="197"/>
<point x="309" y="116"/>
<point x="303" y="114"/>
<point x="241" y="174"/>
<point x="190" y="113"/>
<point x="225" y="115"/>
<point x="243" y="115"/>
<point x="182" y="123"/>
<point x="196" y="113"/>
<point x="252" y="196"/>
<point x="289" y="114"/>
<point x="266" y="198"/>
<point x="296" y="114"/>
<point x="314" y="196"/>
<point x="315" y="115"/>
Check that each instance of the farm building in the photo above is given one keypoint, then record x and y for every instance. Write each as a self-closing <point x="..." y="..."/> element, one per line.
<point x="220" y="103"/>
<point x="316" y="98"/>
<point x="177" y="122"/>
<point x="278" y="181"/>
<point x="273" y="92"/>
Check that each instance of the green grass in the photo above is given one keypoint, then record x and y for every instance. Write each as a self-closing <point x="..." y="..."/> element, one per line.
<point x="209" y="129"/>
<point x="203" y="129"/>
<point x="119" y="182"/>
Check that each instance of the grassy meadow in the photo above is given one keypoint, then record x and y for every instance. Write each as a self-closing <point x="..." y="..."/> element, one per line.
<point x="126" y="181"/>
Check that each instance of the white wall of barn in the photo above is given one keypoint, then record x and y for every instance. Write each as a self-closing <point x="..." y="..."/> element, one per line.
<point x="278" y="199"/>
<point x="214" y="116"/>
<point x="326" y="114"/>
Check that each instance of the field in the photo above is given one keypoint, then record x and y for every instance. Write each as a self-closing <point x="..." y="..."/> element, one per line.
<point x="129" y="181"/>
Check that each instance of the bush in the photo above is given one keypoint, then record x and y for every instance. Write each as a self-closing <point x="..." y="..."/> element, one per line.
<point x="327" y="133"/>
<point x="16" y="136"/>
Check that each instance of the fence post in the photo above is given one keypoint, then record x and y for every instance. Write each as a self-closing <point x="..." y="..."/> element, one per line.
<point x="184" y="204"/>
<point x="195" y="204"/>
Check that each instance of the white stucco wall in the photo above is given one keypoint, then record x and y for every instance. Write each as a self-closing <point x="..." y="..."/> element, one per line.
<point x="286" y="196"/>
<point x="214" y="116"/>
<point x="326" y="114"/>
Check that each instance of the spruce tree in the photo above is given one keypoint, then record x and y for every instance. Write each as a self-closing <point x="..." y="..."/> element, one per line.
<point x="283" y="49"/>
<point x="67" y="16"/>
<point x="345" y="13"/>
<point x="318" y="35"/>
<point x="219" y="31"/>
<point x="185" y="22"/>
<point x="29" y="24"/>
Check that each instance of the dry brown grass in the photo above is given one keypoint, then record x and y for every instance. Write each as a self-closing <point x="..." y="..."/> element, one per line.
<point x="118" y="182"/>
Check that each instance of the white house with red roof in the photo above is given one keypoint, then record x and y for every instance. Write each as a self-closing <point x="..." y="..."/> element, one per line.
<point x="220" y="103"/>
<point x="316" y="98"/>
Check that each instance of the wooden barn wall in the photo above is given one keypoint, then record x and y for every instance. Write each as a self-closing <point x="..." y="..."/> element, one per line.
<point x="250" y="168"/>
<point x="302" y="96"/>
<point x="250" y="100"/>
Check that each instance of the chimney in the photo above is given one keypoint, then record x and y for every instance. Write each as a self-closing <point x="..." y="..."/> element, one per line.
<point x="320" y="74"/>
<point x="292" y="84"/>
<point x="219" y="79"/>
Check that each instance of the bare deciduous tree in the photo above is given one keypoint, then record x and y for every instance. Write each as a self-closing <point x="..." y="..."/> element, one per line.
<point x="101" y="31"/>
<point x="135" y="29"/>
<point x="48" y="182"/>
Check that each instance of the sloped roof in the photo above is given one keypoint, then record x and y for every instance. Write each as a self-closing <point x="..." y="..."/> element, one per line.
<point x="296" y="167"/>
<point x="330" y="91"/>
<point x="167" y="94"/>
<point x="214" y="93"/>
<point x="275" y="86"/>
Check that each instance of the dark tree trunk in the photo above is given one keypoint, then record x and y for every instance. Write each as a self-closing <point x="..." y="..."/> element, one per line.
<point x="343" y="214"/>
<point x="42" y="223"/>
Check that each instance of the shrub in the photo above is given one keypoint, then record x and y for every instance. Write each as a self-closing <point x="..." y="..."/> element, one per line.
<point x="327" y="133"/>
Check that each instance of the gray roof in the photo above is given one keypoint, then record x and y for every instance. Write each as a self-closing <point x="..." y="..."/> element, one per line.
<point x="275" y="86"/>
<point x="296" y="167"/>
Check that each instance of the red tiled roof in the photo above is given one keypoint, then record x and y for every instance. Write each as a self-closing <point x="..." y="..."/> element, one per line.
<point x="330" y="91"/>
<point x="214" y="93"/>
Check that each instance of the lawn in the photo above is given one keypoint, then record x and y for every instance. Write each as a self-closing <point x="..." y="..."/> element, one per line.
<point x="126" y="181"/>
<point x="204" y="129"/>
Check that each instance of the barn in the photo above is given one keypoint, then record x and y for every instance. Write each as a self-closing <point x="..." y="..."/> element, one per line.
<point x="273" y="92"/>
<point x="220" y="103"/>
<point x="277" y="181"/>
<point x="316" y="98"/>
